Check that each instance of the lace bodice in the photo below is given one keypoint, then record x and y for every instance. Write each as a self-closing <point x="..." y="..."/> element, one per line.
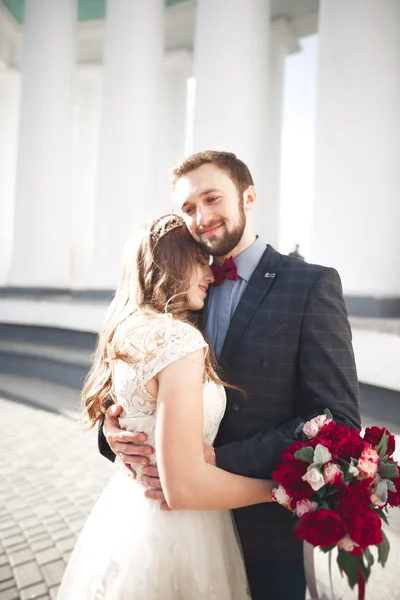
<point x="154" y="342"/>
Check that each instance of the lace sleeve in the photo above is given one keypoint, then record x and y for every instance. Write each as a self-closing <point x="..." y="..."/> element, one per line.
<point x="169" y="341"/>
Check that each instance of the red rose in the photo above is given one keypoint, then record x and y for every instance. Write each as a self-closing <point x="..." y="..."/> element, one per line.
<point x="365" y="528"/>
<point x="355" y="445"/>
<point x="335" y="437"/>
<point x="394" y="497"/>
<point x="321" y="528"/>
<point x="374" y="434"/>
<point x="289" y="475"/>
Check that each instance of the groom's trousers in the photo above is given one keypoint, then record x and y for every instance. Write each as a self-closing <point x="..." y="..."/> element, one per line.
<point x="276" y="579"/>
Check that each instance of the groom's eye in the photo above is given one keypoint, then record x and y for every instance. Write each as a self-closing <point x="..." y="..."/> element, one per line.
<point x="188" y="211"/>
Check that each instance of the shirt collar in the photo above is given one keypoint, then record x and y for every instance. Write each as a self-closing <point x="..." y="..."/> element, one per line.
<point x="247" y="260"/>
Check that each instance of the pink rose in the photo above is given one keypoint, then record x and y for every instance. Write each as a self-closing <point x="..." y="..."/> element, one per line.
<point x="313" y="427"/>
<point x="368" y="463"/>
<point x="330" y="471"/>
<point x="315" y="478"/>
<point x="347" y="544"/>
<point x="305" y="506"/>
<point x="280" y="495"/>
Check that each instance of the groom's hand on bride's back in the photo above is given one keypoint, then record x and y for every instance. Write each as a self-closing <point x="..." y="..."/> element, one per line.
<point x="129" y="446"/>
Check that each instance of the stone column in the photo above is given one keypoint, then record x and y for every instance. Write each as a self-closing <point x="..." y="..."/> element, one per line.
<point x="283" y="42"/>
<point x="357" y="204"/>
<point x="232" y="70"/>
<point x="172" y="135"/>
<point x="41" y="251"/>
<point x="10" y="84"/>
<point x="128" y="153"/>
<point x="86" y="125"/>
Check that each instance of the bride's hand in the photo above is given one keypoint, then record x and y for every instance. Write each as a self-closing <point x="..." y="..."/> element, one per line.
<point x="129" y="446"/>
<point x="209" y="454"/>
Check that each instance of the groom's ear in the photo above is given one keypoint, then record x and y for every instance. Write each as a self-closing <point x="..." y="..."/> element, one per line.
<point x="249" y="198"/>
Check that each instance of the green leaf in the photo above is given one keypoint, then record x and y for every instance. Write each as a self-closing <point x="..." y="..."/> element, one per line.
<point x="288" y="440"/>
<point x="381" y="448"/>
<point x="306" y="454"/>
<point x="299" y="429"/>
<point x="381" y="490"/>
<point x="382" y="515"/>
<point x="388" y="470"/>
<point x="328" y="413"/>
<point x="321" y="455"/>
<point x="348" y="565"/>
<point x="383" y="550"/>
<point x="369" y="557"/>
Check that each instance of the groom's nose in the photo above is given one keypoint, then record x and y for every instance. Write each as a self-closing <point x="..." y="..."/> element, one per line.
<point x="204" y="216"/>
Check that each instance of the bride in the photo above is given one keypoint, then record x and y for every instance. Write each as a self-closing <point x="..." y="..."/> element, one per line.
<point x="152" y="360"/>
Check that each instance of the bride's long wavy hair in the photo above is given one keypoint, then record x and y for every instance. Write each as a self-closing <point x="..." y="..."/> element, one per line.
<point x="155" y="278"/>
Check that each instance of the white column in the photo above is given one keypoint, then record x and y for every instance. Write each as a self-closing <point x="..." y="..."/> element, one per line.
<point x="172" y="134"/>
<point x="283" y="42"/>
<point x="10" y="83"/>
<point x="86" y="128"/>
<point x="41" y="242"/>
<point x="128" y="154"/>
<point x="232" y="71"/>
<point x="357" y="204"/>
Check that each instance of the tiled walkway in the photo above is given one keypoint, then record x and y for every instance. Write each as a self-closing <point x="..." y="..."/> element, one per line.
<point x="50" y="476"/>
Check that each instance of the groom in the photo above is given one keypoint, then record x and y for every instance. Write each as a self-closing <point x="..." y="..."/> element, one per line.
<point x="280" y="331"/>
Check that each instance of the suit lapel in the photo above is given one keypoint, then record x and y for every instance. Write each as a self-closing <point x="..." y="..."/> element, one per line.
<point x="258" y="287"/>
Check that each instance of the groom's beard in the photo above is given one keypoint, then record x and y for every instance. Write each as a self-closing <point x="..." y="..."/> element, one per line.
<point x="229" y="239"/>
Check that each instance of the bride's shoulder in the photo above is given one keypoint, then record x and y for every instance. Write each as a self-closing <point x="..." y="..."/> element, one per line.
<point x="155" y="330"/>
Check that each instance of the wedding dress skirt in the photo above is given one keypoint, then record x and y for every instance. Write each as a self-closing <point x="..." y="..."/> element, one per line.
<point x="131" y="550"/>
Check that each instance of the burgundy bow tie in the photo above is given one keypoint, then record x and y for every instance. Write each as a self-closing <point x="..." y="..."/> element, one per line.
<point x="226" y="271"/>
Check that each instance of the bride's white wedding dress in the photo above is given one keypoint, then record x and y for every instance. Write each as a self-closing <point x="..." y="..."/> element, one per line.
<point x="129" y="549"/>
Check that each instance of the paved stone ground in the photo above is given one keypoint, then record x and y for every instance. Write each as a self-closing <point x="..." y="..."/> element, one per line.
<point x="50" y="476"/>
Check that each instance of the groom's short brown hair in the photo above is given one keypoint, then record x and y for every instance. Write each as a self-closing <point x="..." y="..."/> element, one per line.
<point x="227" y="161"/>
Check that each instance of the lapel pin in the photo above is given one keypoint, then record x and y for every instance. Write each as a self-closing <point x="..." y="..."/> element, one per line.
<point x="269" y="275"/>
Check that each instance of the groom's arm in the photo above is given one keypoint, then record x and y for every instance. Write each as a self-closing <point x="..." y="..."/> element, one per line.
<point x="328" y="379"/>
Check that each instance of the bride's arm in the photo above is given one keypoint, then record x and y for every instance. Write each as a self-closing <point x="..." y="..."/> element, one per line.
<point x="188" y="482"/>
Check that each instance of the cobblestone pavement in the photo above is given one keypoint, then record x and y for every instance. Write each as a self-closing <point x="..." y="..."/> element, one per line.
<point x="50" y="476"/>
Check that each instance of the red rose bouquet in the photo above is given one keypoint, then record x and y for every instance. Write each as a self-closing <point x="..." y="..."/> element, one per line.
<point x="339" y="485"/>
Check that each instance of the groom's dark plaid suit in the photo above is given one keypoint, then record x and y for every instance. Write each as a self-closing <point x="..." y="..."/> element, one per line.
<point x="289" y="348"/>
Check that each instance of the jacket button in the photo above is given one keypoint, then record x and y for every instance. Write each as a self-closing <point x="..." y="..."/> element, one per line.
<point x="265" y="362"/>
<point x="236" y="406"/>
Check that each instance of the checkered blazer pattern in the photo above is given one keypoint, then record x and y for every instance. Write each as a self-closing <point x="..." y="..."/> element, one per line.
<point x="289" y="348"/>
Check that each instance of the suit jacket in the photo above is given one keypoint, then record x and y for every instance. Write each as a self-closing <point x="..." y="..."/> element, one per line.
<point x="289" y="348"/>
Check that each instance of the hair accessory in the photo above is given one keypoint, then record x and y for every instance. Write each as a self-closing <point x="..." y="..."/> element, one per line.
<point x="165" y="224"/>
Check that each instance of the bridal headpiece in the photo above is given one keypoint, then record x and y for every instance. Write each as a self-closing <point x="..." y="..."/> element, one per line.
<point x="165" y="224"/>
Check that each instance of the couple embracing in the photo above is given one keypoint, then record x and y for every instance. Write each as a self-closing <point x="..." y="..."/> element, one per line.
<point x="208" y="382"/>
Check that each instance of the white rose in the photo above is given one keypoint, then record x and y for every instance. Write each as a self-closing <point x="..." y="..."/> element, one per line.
<point x="368" y="463"/>
<point x="281" y="496"/>
<point x="313" y="427"/>
<point x="314" y="478"/>
<point x="305" y="506"/>
<point x="330" y="471"/>
<point x="347" y="544"/>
